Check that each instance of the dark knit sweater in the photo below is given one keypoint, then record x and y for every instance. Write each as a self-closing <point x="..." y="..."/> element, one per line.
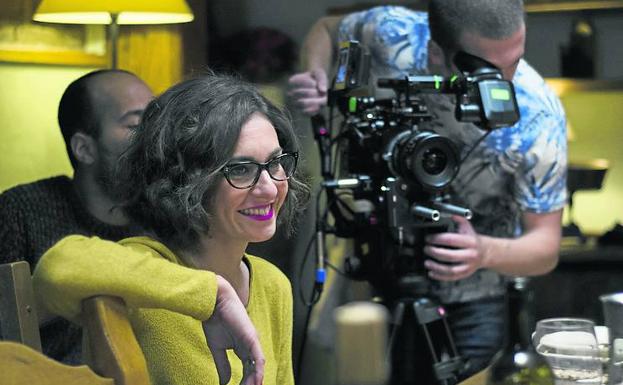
<point x="33" y="217"/>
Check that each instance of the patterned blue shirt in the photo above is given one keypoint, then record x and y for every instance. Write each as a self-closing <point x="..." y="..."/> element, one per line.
<point x="515" y="169"/>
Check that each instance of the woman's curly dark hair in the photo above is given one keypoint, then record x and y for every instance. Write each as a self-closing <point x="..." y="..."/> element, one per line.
<point x="171" y="169"/>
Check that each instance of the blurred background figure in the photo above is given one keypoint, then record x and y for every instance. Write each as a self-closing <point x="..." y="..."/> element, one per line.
<point x="96" y="114"/>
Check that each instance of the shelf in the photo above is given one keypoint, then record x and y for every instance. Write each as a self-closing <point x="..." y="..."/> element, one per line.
<point x="534" y="6"/>
<point x="564" y="86"/>
<point x="418" y="5"/>
<point x="579" y="5"/>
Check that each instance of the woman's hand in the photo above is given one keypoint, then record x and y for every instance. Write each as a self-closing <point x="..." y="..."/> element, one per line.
<point x="230" y="328"/>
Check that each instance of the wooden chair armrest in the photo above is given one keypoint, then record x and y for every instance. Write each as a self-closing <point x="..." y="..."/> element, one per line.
<point x="20" y="364"/>
<point x="113" y="349"/>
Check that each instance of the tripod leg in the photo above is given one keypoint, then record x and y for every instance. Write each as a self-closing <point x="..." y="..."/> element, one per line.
<point x="446" y="362"/>
<point x="407" y="361"/>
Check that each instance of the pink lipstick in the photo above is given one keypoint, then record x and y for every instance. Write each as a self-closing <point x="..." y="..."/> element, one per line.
<point x="264" y="217"/>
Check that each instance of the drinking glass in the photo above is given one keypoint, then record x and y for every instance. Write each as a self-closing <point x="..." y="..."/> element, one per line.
<point x="570" y="347"/>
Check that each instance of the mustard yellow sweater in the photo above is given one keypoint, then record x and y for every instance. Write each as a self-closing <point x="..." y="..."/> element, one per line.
<point x="167" y="301"/>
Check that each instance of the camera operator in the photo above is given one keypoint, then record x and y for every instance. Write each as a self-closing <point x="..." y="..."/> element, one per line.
<point x="513" y="181"/>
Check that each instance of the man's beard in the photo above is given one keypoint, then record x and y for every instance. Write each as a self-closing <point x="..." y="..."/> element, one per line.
<point x="105" y="172"/>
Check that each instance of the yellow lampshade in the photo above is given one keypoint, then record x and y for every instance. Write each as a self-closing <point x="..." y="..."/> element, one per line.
<point x="101" y="11"/>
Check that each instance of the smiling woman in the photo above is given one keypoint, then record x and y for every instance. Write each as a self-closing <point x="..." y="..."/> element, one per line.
<point x="211" y="168"/>
<point x="249" y="213"/>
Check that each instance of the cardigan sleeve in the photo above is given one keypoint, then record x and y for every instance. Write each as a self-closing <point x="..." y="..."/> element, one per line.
<point x="285" y="374"/>
<point x="78" y="267"/>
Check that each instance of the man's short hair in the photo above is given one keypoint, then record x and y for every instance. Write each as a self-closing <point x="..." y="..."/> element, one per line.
<point x="493" y="19"/>
<point x="77" y="112"/>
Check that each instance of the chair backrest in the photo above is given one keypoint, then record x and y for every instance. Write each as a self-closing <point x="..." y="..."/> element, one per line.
<point x="112" y="350"/>
<point x="18" y="311"/>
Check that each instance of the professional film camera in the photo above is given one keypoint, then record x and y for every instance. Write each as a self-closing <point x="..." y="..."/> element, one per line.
<point x="387" y="180"/>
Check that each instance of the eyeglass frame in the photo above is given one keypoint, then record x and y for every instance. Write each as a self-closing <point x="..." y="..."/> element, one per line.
<point x="261" y="167"/>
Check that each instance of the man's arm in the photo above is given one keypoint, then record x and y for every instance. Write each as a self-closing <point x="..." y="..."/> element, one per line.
<point x="320" y="44"/>
<point x="533" y="253"/>
<point x="309" y="89"/>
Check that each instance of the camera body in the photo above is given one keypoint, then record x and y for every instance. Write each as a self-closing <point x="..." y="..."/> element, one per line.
<point x="396" y="173"/>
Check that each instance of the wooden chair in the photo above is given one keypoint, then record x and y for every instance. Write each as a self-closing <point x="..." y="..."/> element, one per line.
<point x="21" y="364"/>
<point x="112" y="349"/>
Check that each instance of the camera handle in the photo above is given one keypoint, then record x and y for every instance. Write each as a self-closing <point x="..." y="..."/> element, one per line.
<point x="322" y="135"/>
<point x="442" y="365"/>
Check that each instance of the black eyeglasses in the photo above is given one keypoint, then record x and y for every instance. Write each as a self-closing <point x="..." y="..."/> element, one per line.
<point x="245" y="174"/>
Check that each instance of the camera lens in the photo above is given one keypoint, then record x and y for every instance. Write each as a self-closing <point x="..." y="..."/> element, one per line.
<point x="423" y="158"/>
<point x="434" y="161"/>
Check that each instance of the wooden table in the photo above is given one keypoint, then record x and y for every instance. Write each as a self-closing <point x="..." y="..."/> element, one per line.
<point x="479" y="378"/>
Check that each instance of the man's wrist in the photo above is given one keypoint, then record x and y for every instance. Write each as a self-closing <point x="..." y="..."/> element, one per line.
<point x="485" y="248"/>
<point x="492" y="250"/>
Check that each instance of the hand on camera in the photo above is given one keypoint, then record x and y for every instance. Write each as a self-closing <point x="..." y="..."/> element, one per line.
<point x="230" y="328"/>
<point x="455" y="255"/>
<point x="309" y="90"/>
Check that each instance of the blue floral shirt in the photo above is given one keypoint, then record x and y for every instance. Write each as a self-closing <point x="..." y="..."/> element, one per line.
<point x="515" y="169"/>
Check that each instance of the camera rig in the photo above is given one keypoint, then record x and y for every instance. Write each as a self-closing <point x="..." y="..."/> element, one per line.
<point x="395" y="173"/>
<point x="387" y="187"/>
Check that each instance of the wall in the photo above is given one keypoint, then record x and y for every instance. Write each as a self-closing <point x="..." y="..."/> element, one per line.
<point x="292" y="17"/>
<point x="596" y="116"/>
<point x="295" y="17"/>
<point x="544" y="53"/>
<point x="31" y="145"/>
<point x="597" y="121"/>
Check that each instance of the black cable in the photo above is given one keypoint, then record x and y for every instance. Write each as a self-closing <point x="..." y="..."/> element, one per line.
<point x="335" y="141"/>
<point x="336" y="269"/>
<point x="474" y="147"/>
<point x="299" y="364"/>
<point x="301" y="268"/>
<point x="309" y="305"/>
<point x="343" y="205"/>
<point x="316" y="290"/>
<point x="321" y="220"/>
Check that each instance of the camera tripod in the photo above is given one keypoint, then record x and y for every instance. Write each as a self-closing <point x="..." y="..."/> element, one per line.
<point x="421" y="346"/>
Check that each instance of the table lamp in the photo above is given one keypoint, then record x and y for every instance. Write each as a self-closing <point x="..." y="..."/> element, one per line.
<point x="113" y="13"/>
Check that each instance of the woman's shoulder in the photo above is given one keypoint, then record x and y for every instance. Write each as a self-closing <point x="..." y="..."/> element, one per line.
<point x="155" y="248"/>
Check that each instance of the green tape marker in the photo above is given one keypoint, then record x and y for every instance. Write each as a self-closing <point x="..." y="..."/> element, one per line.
<point x="437" y="82"/>
<point x="352" y="104"/>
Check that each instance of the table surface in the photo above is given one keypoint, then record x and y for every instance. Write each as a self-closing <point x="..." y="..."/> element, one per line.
<point x="479" y="378"/>
<point x="590" y="252"/>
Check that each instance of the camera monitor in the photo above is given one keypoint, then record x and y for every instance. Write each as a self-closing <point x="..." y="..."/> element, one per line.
<point x="352" y="68"/>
